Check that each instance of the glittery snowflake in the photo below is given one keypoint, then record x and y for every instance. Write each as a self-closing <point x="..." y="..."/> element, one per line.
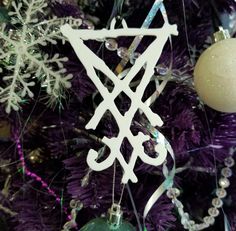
<point x="23" y="63"/>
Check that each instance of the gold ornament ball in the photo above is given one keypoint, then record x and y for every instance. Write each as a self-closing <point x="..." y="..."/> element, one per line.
<point x="215" y="76"/>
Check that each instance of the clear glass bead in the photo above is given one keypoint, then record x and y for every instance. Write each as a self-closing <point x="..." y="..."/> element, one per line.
<point x="186" y="226"/>
<point x="178" y="204"/>
<point x="76" y="204"/>
<point x="134" y="57"/>
<point x="161" y="69"/>
<point x="181" y="211"/>
<point x="185" y="219"/>
<point x="67" y="226"/>
<point x="191" y="222"/>
<point x="186" y="215"/>
<point x="229" y="162"/>
<point x="221" y="193"/>
<point x="214" y="212"/>
<point x="195" y="227"/>
<point x="209" y="220"/>
<point x="111" y="44"/>
<point x="184" y="222"/>
<point x="217" y="202"/>
<point x="122" y="52"/>
<point x="173" y="193"/>
<point x="85" y="180"/>
<point x="226" y="172"/>
<point x="224" y="182"/>
<point x="203" y="226"/>
<point x="200" y="226"/>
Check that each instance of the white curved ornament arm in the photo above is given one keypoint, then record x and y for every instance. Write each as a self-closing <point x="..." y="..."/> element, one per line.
<point x="138" y="151"/>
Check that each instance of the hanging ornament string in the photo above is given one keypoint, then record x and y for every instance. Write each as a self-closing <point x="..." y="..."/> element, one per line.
<point x="116" y="11"/>
<point x="134" y="207"/>
<point x="119" y="69"/>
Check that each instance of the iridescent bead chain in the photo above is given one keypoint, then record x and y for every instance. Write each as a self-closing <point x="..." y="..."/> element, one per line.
<point x="217" y="202"/>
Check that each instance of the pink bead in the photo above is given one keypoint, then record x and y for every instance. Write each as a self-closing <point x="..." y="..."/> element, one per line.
<point x="44" y="185"/>
<point x="33" y="175"/>
<point x="51" y="192"/>
<point x="38" y="178"/>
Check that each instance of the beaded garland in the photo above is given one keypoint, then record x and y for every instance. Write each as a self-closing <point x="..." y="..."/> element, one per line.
<point x="123" y="52"/>
<point x="217" y="202"/>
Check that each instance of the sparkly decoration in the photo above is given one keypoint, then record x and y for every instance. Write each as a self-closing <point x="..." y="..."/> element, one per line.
<point x="229" y="162"/>
<point x="111" y="44"/>
<point x="101" y="224"/>
<point x="214" y="212"/>
<point x="217" y="202"/>
<point x="162" y="69"/>
<point x="173" y="193"/>
<point x="34" y="176"/>
<point x="92" y="61"/>
<point x="157" y="5"/>
<point x="76" y="206"/>
<point x="24" y="61"/>
<point x="214" y="76"/>
<point x="122" y="52"/>
<point x="134" y="56"/>
<point x="114" y="222"/>
<point x="35" y="156"/>
<point x="221" y="192"/>
<point x="209" y="220"/>
<point x="226" y="172"/>
<point x="224" y="182"/>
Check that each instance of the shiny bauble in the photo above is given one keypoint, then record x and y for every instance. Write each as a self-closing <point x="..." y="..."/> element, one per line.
<point x="215" y="76"/>
<point x="102" y="224"/>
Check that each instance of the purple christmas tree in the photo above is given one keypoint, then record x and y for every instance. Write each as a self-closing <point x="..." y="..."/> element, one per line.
<point x="44" y="175"/>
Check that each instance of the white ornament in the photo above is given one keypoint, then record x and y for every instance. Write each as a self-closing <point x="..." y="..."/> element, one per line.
<point x="214" y="76"/>
<point x="22" y="60"/>
<point x="92" y="63"/>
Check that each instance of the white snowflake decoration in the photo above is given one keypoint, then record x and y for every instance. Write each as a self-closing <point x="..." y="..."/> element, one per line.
<point x="23" y="62"/>
<point x="92" y="63"/>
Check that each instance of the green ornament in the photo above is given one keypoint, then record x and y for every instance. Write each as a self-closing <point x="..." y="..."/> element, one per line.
<point x="113" y="222"/>
<point x="102" y="224"/>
